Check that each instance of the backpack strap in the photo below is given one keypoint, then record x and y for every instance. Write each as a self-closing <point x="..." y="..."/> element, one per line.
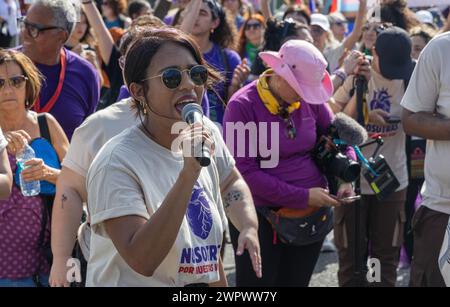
<point x="46" y="208"/>
<point x="43" y="127"/>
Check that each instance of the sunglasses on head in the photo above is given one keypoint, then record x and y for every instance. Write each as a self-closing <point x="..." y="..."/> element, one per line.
<point x="172" y="77"/>
<point x="15" y="82"/>
<point x="255" y="26"/>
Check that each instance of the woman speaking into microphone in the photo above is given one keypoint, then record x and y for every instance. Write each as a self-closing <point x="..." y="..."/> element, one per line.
<point x="156" y="214"/>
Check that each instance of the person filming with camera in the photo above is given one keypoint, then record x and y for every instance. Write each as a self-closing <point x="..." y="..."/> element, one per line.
<point x="382" y="211"/>
<point x="288" y="104"/>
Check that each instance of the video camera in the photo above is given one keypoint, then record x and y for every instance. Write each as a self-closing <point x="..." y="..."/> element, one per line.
<point x="329" y="153"/>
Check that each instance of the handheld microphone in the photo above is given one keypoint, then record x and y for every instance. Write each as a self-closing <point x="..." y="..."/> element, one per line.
<point x="192" y="113"/>
<point x="349" y="130"/>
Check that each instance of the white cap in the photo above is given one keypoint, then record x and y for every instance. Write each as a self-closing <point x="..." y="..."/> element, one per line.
<point x="424" y="16"/>
<point x="321" y="21"/>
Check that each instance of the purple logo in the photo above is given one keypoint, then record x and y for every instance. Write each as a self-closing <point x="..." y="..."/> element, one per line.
<point x="199" y="213"/>
<point x="381" y="100"/>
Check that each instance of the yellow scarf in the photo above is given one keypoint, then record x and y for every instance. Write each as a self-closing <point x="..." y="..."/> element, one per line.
<point x="267" y="97"/>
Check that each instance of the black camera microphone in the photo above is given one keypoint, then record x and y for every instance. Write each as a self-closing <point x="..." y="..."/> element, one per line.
<point x="348" y="130"/>
<point x="192" y="113"/>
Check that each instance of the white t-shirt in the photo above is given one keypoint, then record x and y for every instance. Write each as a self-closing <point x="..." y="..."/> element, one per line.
<point x="429" y="91"/>
<point x="132" y="175"/>
<point x="333" y="54"/>
<point x="103" y="125"/>
<point x="95" y="131"/>
<point x="383" y="94"/>
<point x="3" y="142"/>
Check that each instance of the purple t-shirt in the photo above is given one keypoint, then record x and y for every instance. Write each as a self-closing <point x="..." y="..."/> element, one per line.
<point x="80" y="92"/>
<point x="124" y="93"/>
<point x="287" y="184"/>
<point x="224" y="61"/>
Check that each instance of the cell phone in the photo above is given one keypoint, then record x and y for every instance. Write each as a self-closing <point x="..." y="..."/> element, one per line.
<point x="392" y="120"/>
<point x="350" y="199"/>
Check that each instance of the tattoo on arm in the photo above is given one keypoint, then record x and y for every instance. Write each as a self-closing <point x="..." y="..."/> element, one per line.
<point x="232" y="196"/>
<point x="63" y="199"/>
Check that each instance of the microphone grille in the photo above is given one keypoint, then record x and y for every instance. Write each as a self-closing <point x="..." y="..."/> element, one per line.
<point x="190" y="107"/>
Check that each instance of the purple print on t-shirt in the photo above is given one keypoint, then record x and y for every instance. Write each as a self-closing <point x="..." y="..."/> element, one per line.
<point x="199" y="213"/>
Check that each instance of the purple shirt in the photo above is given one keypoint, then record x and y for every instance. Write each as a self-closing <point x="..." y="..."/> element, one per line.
<point x="224" y="61"/>
<point x="80" y="92"/>
<point x="287" y="184"/>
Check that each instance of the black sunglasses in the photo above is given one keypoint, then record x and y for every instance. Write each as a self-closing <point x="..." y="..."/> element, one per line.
<point x="33" y="28"/>
<point x="16" y="81"/>
<point x="255" y="26"/>
<point x="172" y="77"/>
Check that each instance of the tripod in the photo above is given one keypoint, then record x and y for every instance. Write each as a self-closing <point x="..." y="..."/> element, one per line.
<point x="358" y="257"/>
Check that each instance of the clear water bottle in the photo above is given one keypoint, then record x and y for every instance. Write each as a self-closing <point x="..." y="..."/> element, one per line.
<point x="29" y="188"/>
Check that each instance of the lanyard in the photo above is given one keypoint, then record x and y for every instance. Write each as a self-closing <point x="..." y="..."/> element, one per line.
<point x="54" y="98"/>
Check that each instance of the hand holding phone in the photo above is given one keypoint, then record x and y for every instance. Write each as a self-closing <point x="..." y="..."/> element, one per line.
<point x="392" y="120"/>
<point x="350" y="199"/>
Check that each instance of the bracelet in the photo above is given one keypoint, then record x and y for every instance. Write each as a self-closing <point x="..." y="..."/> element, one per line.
<point x="340" y="73"/>
<point x="86" y="2"/>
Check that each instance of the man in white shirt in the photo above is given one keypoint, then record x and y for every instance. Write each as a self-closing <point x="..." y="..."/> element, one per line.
<point x="426" y="113"/>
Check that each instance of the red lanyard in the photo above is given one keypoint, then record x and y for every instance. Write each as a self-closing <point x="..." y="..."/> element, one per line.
<point x="54" y="98"/>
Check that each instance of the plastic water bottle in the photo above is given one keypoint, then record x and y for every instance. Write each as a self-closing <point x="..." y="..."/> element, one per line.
<point x="29" y="188"/>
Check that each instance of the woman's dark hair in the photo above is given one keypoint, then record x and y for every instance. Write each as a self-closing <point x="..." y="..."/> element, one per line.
<point x="144" y="47"/>
<point x="423" y="31"/>
<point x="118" y="6"/>
<point x="299" y="9"/>
<point x="398" y="13"/>
<point x="225" y="34"/>
<point x="135" y="6"/>
<point x="242" y="38"/>
<point x="29" y="70"/>
<point x="138" y="26"/>
<point x="277" y="32"/>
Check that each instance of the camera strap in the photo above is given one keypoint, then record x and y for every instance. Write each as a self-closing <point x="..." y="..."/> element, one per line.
<point x="364" y="161"/>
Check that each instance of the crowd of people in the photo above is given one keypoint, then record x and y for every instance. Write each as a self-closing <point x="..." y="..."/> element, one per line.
<point x="98" y="89"/>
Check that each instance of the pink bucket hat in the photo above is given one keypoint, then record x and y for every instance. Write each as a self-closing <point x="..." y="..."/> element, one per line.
<point x="304" y="67"/>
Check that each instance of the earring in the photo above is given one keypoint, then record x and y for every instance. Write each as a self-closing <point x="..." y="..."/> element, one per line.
<point x="143" y="108"/>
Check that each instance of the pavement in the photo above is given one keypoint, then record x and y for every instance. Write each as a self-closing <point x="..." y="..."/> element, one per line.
<point x="325" y="273"/>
